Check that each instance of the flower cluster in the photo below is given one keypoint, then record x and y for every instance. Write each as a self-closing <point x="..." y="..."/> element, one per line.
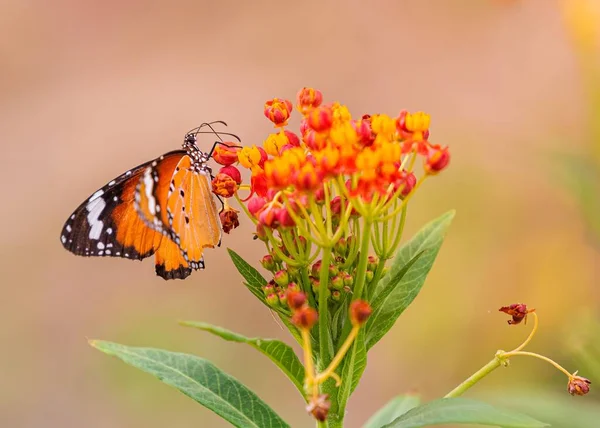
<point x="330" y="204"/>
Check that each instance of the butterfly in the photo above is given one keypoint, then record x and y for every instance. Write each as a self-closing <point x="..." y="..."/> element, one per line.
<point x="164" y="207"/>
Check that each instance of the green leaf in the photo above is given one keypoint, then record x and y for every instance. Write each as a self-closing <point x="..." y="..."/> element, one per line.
<point x="419" y="254"/>
<point x="281" y="354"/>
<point x="394" y="408"/>
<point x="354" y="364"/>
<point x="254" y="280"/>
<point x="462" y="411"/>
<point x="200" y="380"/>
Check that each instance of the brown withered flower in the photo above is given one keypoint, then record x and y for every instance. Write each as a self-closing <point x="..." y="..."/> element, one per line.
<point x="318" y="407"/>
<point x="229" y="219"/>
<point x="518" y="312"/>
<point x="578" y="385"/>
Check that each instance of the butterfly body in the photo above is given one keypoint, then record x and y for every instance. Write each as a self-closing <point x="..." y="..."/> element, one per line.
<point x="164" y="207"/>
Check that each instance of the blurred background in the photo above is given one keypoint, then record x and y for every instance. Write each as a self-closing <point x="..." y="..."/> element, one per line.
<point x="90" y="89"/>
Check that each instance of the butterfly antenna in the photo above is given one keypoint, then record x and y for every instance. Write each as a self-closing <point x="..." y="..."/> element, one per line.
<point x="198" y="128"/>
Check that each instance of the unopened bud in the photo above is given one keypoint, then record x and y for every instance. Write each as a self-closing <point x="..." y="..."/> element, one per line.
<point x="372" y="262"/>
<point x="282" y="297"/>
<point x="281" y="278"/>
<point x="272" y="300"/>
<point x="296" y="299"/>
<point x="316" y="268"/>
<point x="359" y="312"/>
<point x="337" y="282"/>
<point x="269" y="288"/>
<point x="369" y="275"/>
<point x="578" y="385"/>
<point x="305" y="317"/>
<point x="268" y="263"/>
<point x="341" y="247"/>
<point x="336" y="296"/>
<point x="292" y="286"/>
<point x="333" y="271"/>
<point x="348" y="280"/>
<point x="315" y="284"/>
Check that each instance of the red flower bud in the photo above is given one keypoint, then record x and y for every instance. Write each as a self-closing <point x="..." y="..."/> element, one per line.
<point x="282" y="297"/>
<point x="269" y="288"/>
<point x="281" y="278"/>
<point x="278" y="111"/>
<point x="406" y="181"/>
<point x="314" y="140"/>
<point x="272" y="300"/>
<point x="229" y="219"/>
<point x="336" y="295"/>
<point x="268" y="217"/>
<point x="348" y="280"/>
<point x="233" y="172"/>
<point x="372" y="262"/>
<point x="284" y="218"/>
<point x="320" y="119"/>
<point x="578" y="385"/>
<point x="305" y="317"/>
<point x="359" y="312"/>
<point x="364" y="132"/>
<point x="226" y="153"/>
<point x="437" y="159"/>
<point x="308" y="98"/>
<point x="337" y="282"/>
<point x="292" y="286"/>
<point x="296" y="300"/>
<point x="255" y="205"/>
<point x="268" y="262"/>
<point x="223" y="185"/>
<point x="316" y="268"/>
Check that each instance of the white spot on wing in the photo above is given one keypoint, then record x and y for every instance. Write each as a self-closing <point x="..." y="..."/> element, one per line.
<point x="94" y="209"/>
<point x="96" y="195"/>
<point x="109" y="231"/>
<point x="100" y="245"/>
<point x="149" y="184"/>
<point x="63" y="239"/>
<point x="68" y="228"/>
<point x="112" y="183"/>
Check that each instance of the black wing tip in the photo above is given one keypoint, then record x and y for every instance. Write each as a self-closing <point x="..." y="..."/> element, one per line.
<point x="179" y="273"/>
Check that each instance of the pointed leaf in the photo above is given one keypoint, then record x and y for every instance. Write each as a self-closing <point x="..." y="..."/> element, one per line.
<point x="462" y="411"/>
<point x="281" y="354"/>
<point x="397" y="296"/>
<point x="253" y="277"/>
<point x="200" y="380"/>
<point x="394" y="408"/>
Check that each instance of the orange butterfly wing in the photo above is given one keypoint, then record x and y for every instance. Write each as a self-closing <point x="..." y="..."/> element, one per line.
<point x="192" y="213"/>
<point x="108" y="224"/>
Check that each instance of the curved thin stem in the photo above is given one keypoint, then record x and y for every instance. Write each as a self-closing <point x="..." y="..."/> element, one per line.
<point x="533" y="331"/>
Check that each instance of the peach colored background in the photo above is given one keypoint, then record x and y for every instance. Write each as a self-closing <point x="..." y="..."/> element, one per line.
<point x="90" y="89"/>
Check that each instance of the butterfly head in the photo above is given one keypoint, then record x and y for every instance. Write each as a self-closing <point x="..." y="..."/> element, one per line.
<point x="199" y="158"/>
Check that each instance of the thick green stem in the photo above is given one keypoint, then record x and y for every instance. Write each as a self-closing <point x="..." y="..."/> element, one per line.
<point x="361" y="269"/>
<point x="324" y="337"/>
<point x="474" y="378"/>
